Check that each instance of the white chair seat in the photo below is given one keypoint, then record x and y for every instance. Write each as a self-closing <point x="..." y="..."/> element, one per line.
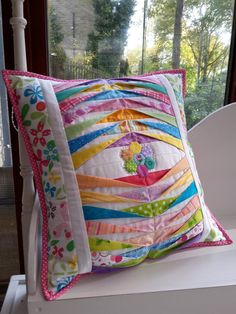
<point x="179" y="283"/>
<point x="186" y="282"/>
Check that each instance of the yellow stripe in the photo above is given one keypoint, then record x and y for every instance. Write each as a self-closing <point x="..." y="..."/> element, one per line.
<point x="181" y="165"/>
<point x="80" y="157"/>
<point x="93" y="197"/>
<point x="186" y="177"/>
<point x="165" y="138"/>
<point x="194" y="220"/>
<point x="123" y="114"/>
<point x="98" y="88"/>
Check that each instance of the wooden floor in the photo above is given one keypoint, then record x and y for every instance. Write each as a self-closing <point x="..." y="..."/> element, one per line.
<point x="9" y="261"/>
<point x="3" y="290"/>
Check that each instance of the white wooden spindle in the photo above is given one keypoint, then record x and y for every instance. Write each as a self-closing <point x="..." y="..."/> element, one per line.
<point x="29" y="199"/>
<point x="18" y="23"/>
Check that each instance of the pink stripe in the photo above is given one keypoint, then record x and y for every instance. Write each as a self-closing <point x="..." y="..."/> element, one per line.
<point x="63" y="86"/>
<point x="145" y="225"/>
<point x="127" y="103"/>
<point x="162" y="230"/>
<point x="71" y="102"/>
<point x="153" y="94"/>
<point x="99" y="228"/>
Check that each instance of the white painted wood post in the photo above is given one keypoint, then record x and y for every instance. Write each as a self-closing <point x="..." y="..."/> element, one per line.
<point x="18" y="23"/>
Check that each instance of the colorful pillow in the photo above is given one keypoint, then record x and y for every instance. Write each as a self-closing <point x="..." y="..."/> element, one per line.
<point x="114" y="172"/>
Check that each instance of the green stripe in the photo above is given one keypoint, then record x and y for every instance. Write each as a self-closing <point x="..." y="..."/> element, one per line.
<point x="151" y="209"/>
<point x="98" y="245"/>
<point x="161" y="116"/>
<point x="152" y="86"/>
<point x="74" y="131"/>
<point x="163" y="252"/>
<point x="62" y="95"/>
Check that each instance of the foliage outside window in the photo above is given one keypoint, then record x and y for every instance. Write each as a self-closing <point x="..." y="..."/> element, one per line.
<point x="5" y="147"/>
<point x="107" y="38"/>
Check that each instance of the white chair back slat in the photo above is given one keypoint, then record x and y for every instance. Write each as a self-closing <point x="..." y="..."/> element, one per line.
<point x="213" y="141"/>
<point x="18" y="23"/>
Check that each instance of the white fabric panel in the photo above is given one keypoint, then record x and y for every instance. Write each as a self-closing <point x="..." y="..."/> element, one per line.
<point x="207" y="227"/>
<point x="109" y="164"/>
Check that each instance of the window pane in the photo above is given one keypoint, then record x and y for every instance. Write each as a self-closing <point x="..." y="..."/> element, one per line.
<point x="107" y="38"/>
<point x="5" y="147"/>
<point x="9" y="261"/>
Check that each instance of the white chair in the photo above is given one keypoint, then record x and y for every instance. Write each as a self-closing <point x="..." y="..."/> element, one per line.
<point x="186" y="282"/>
<point x="183" y="282"/>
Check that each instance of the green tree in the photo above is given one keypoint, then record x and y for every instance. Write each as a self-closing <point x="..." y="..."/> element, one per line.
<point x="167" y="17"/>
<point x="204" y="37"/>
<point x="55" y="34"/>
<point x="57" y="55"/>
<point x="203" y="51"/>
<point x="206" y="97"/>
<point x="177" y="34"/>
<point x="106" y="43"/>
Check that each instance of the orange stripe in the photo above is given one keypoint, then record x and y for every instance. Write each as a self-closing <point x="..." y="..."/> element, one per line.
<point x="99" y="228"/>
<point x="123" y="114"/>
<point x="186" y="177"/>
<point x="181" y="165"/>
<point x="86" y="182"/>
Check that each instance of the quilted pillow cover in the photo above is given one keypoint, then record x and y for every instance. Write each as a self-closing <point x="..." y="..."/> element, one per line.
<point x="114" y="172"/>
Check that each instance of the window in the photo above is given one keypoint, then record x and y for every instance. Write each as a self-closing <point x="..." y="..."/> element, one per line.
<point x="9" y="261"/>
<point x="108" y="38"/>
<point x="5" y="147"/>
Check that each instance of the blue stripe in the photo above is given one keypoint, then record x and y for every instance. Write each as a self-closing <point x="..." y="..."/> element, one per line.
<point x="111" y="94"/>
<point x="79" y="142"/>
<point x="163" y="127"/>
<point x="136" y="253"/>
<point x="190" y="191"/>
<point x="165" y="244"/>
<point x="93" y="213"/>
<point x="145" y="250"/>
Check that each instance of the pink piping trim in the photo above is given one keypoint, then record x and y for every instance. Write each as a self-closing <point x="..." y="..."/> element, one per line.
<point x="44" y="282"/>
<point x="227" y="240"/>
<point x="44" y="77"/>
